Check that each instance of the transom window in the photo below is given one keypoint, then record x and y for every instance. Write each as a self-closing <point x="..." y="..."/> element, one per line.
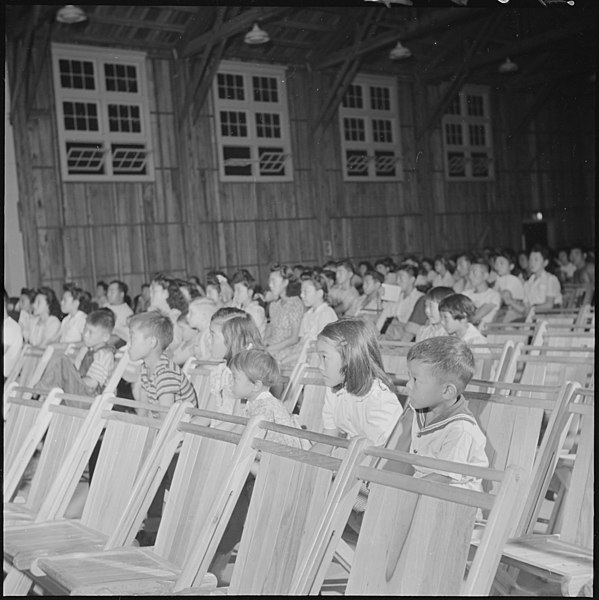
<point x="467" y="136"/>
<point x="252" y="123"/>
<point x="370" y="131"/>
<point x="102" y="114"/>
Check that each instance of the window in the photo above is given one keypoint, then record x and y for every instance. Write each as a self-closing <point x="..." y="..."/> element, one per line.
<point x="467" y="136"/>
<point x="252" y="124"/>
<point x="102" y="114"/>
<point x="368" y="121"/>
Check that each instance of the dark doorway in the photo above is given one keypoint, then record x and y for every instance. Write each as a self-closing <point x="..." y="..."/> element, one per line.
<point x="534" y="233"/>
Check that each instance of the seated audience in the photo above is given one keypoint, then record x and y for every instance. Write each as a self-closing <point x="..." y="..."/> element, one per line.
<point x="141" y="303"/>
<point x="343" y="293"/>
<point x="462" y="272"/>
<point x="25" y="309"/>
<point x="244" y="286"/>
<point x="198" y="316"/>
<point x="487" y="300"/>
<point x="101" y="297"/>
<point x="75" y="307"/>
<point x="585" y="271"/>
<point x="509" y="286"/>
<point x="564" y="267"/>
<point x="45" y="325"/>
<point x="456" y="313"/>
<point x="433" y="326"/>
<point x="444" y="277"/>
<point x="117" y="291"/>
<point x="369" y="305"/>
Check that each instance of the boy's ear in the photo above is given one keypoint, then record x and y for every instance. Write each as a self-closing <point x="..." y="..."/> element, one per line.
<point x="257" y="384"/>
<point x="450" y="391"/>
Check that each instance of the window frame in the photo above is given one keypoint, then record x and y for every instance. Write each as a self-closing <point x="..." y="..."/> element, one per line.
<point x="251" y="107"/>
<point x="368" y="116"/>
<point x="102" y="98"/>
<point x="463" y="120"/>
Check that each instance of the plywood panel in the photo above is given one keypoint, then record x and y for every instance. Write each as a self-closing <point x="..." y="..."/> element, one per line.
<point x="45" y="198"/>
<point x="75" y="204"/>
<point x="100" y="198"/>
<point x="105" y="250"/>
<point x="51" y="254"/>
<point x="131" y="248"/>
<point x="77" y="253"/>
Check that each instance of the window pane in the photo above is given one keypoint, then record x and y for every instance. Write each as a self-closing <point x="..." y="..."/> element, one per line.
<point x="384" y="163"/>
<point x="76" y="74"/>
<point x="382" y="131"/>
<point x="453" y="134"/>
<point x="85" y="158"/>
<point x="237" y="160"/>
<point x="477" y="135"/>
<point x="120" y="78"/>
<point x="265" y="89"/>
<point x="454" y="107"/>
<point x="354" y="129"/>
<point x="353" y="97"/>
<point x="230" y="86"/>
<point x="129" y="159"/>
<point x="380" y="98"/>
<point x="356" y="163"/>
<point x="268" y="125"/>
<point x="272" y="161"/>
<point x="457" y="164"/>
<point x="475" y="106"/>
<point x="233" y="123"/>
<point x="80" y="116"/>
<point x="124" y="117"/>
<point x="480" y="164"/>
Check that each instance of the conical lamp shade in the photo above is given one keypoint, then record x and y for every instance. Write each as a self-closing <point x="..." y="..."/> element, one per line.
<point x="256" y="36"/>
<point x="70" y="14"/>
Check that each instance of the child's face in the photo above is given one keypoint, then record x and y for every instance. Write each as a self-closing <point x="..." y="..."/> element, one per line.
<point x="406" y="281"/>
<point x="242" y="386"/>
<point x="562" y="257"/>
<point x="95" y="336"/>
<point x="330" y="363"/>
<point x="146" y="293"/>
<point x="213" y="293"/>
<point x="242" y="294"/>
<point x="277" y="284"/>
<point x="463" y="266"/>
<point x="114" y="294"/>
<point x="370" y="284"/>
<point x="100" y="291"/>
<point x="362" y="270"/>
<point x="424" y="390"/>
<point x="40" y="306"/>
<point x="310" y="295"/>
<point x="477" y="275"/>
<point x="218" y="348"/>
<point x="431" y="309"/>
<point x="25" y="303"/>
<point x="158" y="295"/>
<point x="440" y="267"/>
<point x="382" y="269"/>
<point x="450" y="324"/>
<point x="140" y="344"/>
<point x="523" y="261"/>
<point x="577" y="257"/>
<point x="342" y="275"/>
<point x="68" y="305"/>
<point x="502" y="266"/>
<point x="199" y="316"/>
<point x="536" y="262"/>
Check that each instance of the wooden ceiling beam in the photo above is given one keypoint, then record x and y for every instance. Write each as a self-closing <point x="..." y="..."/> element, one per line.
<point x="541" y="98"/>
<point x="521" y="47"/>
<point x="208" y="78"/>
<point x="195" y="26"/>
<point x="293" y="24"/>
<point x="411" y="30"/>
<point x="233" y="27"/>
<point x="138" y="23"/>
<point x="149" y="46"/>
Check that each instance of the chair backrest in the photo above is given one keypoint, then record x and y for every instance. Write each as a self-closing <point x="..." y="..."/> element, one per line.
<point x="211" y="470"/>
<point x="293" y="390"/>
<point x="199" y="376"/>
<point x="572" y="295"/>
<point x="121" y="362"/>
<point x="312" y="401"/>
<point x="292" y="491"/>
<point x="30" y="366"/>
<point x="491" y="360"/>
<point x="498" y="333"/>
<point x="26" y="423"/>
<point x="394" y="355"/>
<point x="127" y="443"/>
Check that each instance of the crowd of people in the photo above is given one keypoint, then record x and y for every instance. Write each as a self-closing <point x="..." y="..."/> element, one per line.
<point x="251" y="333"/>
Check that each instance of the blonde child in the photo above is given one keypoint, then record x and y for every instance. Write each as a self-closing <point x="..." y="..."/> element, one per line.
<point x="439" y="370"/>
<point x="433" y="326"/>
<point x="199" y="315"/>
<point x="231" y="331"/>
<point x="456" y="313"/>
<point x="359" y="400"/>
<point x="244" y="286"/>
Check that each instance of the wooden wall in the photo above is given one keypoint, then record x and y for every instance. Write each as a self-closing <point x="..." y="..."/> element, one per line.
<point x="187" y="221"/>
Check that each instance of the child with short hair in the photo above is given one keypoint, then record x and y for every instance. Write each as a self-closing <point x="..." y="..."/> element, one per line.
<point x="370" y="304"/>
<point x="343" y="292"/>
<point x="198" y="316"/>
<point x="462" y="270"/>
<point x="439" y="370"/>
<point x="161" y="379"/>
<point x="433" y="326"/>
<point x="90" y="377"/>
<point x="456" y="313"/>
<point x="244" y="286"/>
<point x="72" y="304"/>
<point x="486" y="300"/>
<point x="44" y="327"/>
<point x="359" y="400"/>
<point x="509" y="286"/>
<point x="443" y="275"/>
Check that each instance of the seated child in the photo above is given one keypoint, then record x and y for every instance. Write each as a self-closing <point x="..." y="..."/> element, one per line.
<point x="370" y="304"/>
<point x="443" y="427"/>
<point x="244" y="286"/>
<point x="161" y="379"/>
<point x="199" y="315"/>
<point x="91" y="376"/>
<point x="433" y="326"/>
<point x="509" y="286"/>
<point x="456" y="312"/>
<point x="73" y="305"/>
<point x="487" y="300"/>
<point x="186" y="347"/>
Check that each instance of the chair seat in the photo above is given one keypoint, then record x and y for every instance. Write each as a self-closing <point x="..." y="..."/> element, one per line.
<point x="119" y="571"/>
<point x="549" y="553"/>
<point x="15" y="514"/>
<point x="25" y="542"/>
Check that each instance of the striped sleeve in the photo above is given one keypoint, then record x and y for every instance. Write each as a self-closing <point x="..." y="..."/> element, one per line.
<point x="101" y="367"/>
<point x="173" y="381"/>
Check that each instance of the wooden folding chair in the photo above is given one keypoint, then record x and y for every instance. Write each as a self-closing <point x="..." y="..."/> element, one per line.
<point x="312" y="399"/>
<point x="567" y="556"/>
<point x="30" y="366"/>
<point x="394" y="355"/>
<point x="491" y="360"/>
<point x="211" y="470"/>
<point x="415" y="536"/>
<point x="128" y="441"/>
<point x="498" y="333"/>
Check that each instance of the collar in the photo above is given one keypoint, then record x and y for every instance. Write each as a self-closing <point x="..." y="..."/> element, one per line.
<point x="457" y="412"/>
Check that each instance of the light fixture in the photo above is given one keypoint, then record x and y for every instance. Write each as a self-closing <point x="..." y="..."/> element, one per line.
<point x="399" y="52"/>
<point x="508" y="66"/>
<point x="70" y="14"/>
<point x="460" y="2"/>
<point x="256" y="36"/>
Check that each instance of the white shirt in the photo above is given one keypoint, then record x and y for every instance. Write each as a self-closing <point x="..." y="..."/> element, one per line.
<point x="12" y="340"/>
<point x="257" y="313"/>
<point x="71" y="327"/>
<point x="121" y="313"/>
<point x="373" y="416"/>
<point x="489" y="296"/>
<point x="473" y="336"/>
<point x="512" y="284"/>
<point x="402" y="309"/>
<point x="315" y="320"/>
<point x="537" y="289"/>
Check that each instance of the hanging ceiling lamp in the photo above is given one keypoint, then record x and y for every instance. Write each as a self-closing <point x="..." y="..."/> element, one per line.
<point x="508" y="66"/>
<point x="70" y="14"/>
<point x="399" y="52"/>
<point x="256" y="36"/>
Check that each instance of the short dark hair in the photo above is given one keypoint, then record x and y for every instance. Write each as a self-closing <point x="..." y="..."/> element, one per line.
<point x="102" y="284"/>
<point x="449" y="356"/>
<point x="103" y="317"/>
<point x="542" y="250"/>
<point x="154" y="323"/>
<point x="245" y="277"/>
<point x="411" y="270"/>
<point x="319" y="281"/>
<point x="121" y="285"/>
<point x="438" y="293"/>
<point x="458" y="306"/>
<point x="347" y="265"/>
<point x="375" y="275"/>
<point x="258" y="365"/>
